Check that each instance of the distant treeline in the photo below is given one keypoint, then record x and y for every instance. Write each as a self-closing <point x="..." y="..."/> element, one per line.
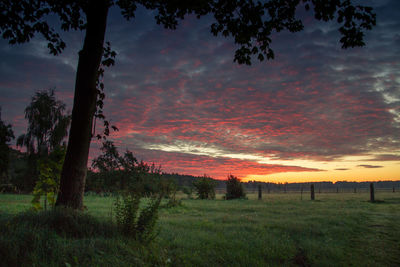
<point x="22" y="177"/>
<point x="187" y="180"/>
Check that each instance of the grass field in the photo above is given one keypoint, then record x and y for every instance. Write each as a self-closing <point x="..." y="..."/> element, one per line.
<point x="280" y="230"/>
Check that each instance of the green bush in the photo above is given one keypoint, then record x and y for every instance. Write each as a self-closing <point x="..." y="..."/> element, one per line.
<point x="134" y="221"/>
<point x="234" y="188"/>
<point x="188" y="191"/>
<point x="205" y="187"/>
<point x="169" y="188"/>
<point x="47" y="185"/>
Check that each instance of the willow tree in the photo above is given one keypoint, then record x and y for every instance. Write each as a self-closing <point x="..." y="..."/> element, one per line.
<point x="250" y="24"/>
<point x="47" y="124"/>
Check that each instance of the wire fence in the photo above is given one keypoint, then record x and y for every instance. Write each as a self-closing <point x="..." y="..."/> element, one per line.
<point x="308" y="190"/>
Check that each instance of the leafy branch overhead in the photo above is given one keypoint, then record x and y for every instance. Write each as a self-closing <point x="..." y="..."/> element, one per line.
<point x="107" y="61"/>
<point x="250" y="23"/>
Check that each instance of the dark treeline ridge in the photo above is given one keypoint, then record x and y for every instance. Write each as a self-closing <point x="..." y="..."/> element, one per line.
<point x="321" y="186"/>
<point x="187" y="180"/>
<point x="21" y="179"/>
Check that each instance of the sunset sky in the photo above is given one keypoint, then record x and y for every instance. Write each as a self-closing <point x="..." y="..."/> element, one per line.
<point x="314" y="113"/>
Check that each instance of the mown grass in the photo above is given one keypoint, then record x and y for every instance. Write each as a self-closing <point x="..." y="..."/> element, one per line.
<point x="342" y="229"/>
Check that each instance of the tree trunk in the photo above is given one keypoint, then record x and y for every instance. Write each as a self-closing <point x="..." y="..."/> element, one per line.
<point x="73" y="176"/>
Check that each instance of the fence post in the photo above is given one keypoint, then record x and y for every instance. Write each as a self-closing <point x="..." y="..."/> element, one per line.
<point x="301" y="193"/>
<point x="337" y="189"/>
<point x="312" y="192"/>
<point x="371" y="191"/>
<point x="355" y="190"/>
<point x="259" y="192"/>
<point x="394" y="190"/>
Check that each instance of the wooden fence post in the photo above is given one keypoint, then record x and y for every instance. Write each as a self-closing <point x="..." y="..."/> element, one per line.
<point x="312" y="192"/>
<point x="355" y="190"/>
<point x="301" y="193"/>
<point x="394" y="190"/>
<point x="259" y="192"/>
<point x="371" y="192"/>
<point x="337" y="189"/>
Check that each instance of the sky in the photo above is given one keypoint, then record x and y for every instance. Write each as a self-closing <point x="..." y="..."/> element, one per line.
<point x="315" y="113"/>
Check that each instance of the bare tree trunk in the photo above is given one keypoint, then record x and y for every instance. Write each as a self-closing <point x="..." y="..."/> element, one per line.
<point x="73" y="176"/>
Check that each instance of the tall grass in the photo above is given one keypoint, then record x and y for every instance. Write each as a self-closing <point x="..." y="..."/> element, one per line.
<point x="63" y="237"/>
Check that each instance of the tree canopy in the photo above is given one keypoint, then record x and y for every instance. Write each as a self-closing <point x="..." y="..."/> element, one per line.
<point x="47" y="123"/>
<point x="250" y="23"/>
<point x="6" y="135"/>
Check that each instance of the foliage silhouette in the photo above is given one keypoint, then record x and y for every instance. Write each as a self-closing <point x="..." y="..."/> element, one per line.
<point x="234" y="188"/>
<point x="6" y="135"/>
<point x="115" y="172"/>
<point x="47" y="123"/>
<point x="249" y="23"/>
<point x="47" y="128"/>
<point x="49" y="178"/>
<point x="204" y="187"/>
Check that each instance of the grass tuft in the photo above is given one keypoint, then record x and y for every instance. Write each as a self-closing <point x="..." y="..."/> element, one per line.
<point x="65" y="222"/>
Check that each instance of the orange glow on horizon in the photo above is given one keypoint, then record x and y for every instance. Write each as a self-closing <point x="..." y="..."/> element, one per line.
<point x="389" y="171"/>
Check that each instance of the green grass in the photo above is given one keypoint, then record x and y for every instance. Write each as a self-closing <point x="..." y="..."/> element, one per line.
<point x="281" y="230"/>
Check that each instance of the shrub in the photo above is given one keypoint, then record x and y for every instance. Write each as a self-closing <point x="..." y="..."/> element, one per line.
<point x="205" y="187"/>
<point x="188" y="191"/>
<point x="169" y="188"/>
<point x="234" y="188"/>
<point x="49" y="178"/>
<point x="147" y="219"/>
<point x="133" y="221"/>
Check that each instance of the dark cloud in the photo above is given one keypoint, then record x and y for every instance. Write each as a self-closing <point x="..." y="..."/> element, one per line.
<point x="314" y="101"/>
<point x="369" y="166"/>
<point x="386" y="157"/>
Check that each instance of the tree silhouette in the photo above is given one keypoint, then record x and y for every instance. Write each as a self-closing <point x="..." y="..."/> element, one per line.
<point x="204" y="187"/>
<point x="250" y="23"/>
<point x="234" y="188"/>
<point x="47" y="123"/>
<point x="6" y="135"/>
<point x="109" y="160"/>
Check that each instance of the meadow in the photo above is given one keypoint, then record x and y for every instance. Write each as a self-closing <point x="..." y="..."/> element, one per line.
<point x="343" y="229"/>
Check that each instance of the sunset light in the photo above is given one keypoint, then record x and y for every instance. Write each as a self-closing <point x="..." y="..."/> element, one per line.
<point x="315" y="113"/>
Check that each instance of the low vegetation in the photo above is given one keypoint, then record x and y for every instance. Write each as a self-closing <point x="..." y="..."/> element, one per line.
<point x="204" y="187"/>
<point x="342" y="229"/>
<point x="69" y="238"/>
<point x="234" y="188"/>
